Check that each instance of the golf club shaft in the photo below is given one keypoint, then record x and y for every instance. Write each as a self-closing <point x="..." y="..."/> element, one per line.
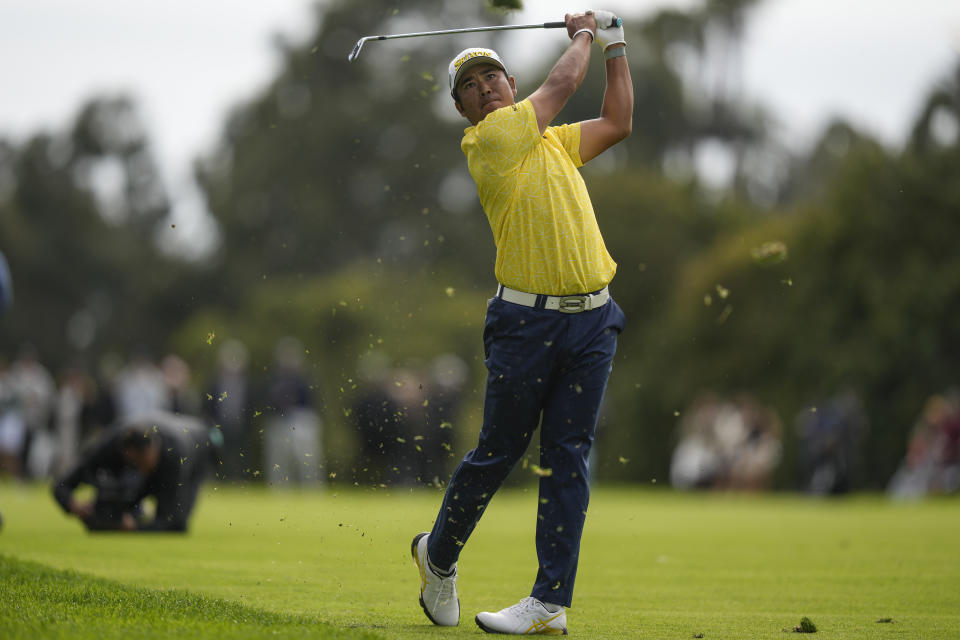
<point x="542" y="25"/>
<point x="506" y="27"/>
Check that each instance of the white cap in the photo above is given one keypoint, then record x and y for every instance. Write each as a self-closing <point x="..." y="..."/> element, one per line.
<point x="468" y="58"/>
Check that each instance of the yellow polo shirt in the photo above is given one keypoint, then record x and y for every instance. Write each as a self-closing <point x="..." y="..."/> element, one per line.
<point x="543" y="223"/>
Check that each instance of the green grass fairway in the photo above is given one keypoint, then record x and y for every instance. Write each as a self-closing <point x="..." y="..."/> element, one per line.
<point x="39" y="602"/>
<point x="654" y="564"/>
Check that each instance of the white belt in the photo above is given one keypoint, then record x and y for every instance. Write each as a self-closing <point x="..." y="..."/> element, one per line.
<point x="564" y="304"/>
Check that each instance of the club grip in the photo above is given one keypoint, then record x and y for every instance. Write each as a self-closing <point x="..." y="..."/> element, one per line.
<point x="614" y="22"/>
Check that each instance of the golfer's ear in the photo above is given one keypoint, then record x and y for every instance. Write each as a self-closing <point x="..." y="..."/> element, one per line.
<point x="459" y="107"/>
<point x="513" y="85"/>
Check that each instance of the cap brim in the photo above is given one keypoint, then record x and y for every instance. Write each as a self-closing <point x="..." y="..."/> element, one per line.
<point x="472" y="62"/>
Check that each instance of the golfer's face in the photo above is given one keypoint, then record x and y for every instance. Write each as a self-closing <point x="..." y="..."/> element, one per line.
<point x="145" y="461"/>
<point x="483" y="89"/>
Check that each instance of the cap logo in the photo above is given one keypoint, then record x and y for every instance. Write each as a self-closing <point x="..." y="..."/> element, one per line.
<point x="482" y="53"/>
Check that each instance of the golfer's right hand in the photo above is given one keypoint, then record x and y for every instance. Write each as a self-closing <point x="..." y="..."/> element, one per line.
<point x="579" y="22"/>
<point x="128" y="522"/>
<point x="609" y="29"/>
<point x="82" y="510"/>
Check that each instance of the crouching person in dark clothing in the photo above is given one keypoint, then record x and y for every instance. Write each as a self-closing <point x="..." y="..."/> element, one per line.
<point x="162" y="455"/>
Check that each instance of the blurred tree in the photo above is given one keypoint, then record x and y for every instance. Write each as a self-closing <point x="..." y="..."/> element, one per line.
<point x="347" y="218"/>
<point x="685" y="66"/>
<point x="865" y="299"/>
<point x="113" y="160"/>
<point x="338" y="161"/>
<point x="939" y="123"/>
<point x="810" y="175"/>
<point x="79" y="216"/>
<point x="727" y="20"/>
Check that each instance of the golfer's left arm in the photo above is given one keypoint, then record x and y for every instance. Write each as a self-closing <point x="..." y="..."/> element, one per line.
<point x="83" y="472"/>
<point x="616" y="115"/>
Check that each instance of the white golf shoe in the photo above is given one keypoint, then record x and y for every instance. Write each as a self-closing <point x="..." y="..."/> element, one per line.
<point x="438" y="594"/>
<point x="527" y="617"/>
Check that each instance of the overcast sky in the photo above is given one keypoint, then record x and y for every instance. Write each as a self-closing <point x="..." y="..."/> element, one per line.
<point x="187" y="61"/>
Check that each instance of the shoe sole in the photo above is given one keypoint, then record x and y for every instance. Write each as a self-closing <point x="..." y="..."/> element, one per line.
<point x="416" y="561"/>
<point x="489" y="630"/>
<point x="480" y="624"/>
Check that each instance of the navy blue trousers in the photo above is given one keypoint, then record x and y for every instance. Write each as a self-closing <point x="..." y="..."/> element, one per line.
<point x="548" y="368"/>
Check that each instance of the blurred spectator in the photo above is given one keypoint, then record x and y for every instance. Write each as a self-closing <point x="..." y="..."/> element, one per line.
<point x="226" y="405"/>
<point x="82" y="411"/>
<point x="444" y="392"/>
<point x="292" y="436"/>
<point x="140" y="387"/>
<point x="6" y="285"/>
<point x="757" y="448"/>
<point x="182" y="397"/>
<point x="13" y="429"/>
<point x="375" y="418"/>
<point x="696" y="462"/>
<point x="74" y="392"/>
<point x="932" y="463"/>
<point x="831" y="436"/>
<point x="161" y="454"/>
<point x="100" y="408"/>
<point x="36" y="391"/>
<point x="407" y="397"/>
<point x="6" y="300"/>
<point x="726" y="445"/>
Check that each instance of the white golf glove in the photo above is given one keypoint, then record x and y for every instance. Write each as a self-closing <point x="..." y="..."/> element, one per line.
<point x="609" y="29"/>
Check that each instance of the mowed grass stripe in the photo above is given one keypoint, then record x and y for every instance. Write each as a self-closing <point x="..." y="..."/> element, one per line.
<point x="654" y="564"/>
<point x="42" y="603"/>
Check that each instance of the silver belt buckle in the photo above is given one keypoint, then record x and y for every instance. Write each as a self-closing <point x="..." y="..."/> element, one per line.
<point x="572" y="304"/>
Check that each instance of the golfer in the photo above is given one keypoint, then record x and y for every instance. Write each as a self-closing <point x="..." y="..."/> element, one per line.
<point x="551" y="330"/>
<point x="159" y="454"/>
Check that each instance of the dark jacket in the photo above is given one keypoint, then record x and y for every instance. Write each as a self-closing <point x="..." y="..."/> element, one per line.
<point x="186" y="456"/>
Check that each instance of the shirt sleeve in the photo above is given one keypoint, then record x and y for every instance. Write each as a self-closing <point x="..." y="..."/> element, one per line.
<point x="569" y="137"/>
<point x="83" y="471"/>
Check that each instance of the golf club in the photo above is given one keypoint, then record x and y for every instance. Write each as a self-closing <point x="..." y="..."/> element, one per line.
<point x="546" y="25"/>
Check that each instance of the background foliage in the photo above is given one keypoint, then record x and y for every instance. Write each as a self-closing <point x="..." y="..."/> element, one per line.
<point x="346" y="217"/>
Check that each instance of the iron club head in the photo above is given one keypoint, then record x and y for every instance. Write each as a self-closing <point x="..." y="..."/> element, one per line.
<point x="356" y="49"/>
